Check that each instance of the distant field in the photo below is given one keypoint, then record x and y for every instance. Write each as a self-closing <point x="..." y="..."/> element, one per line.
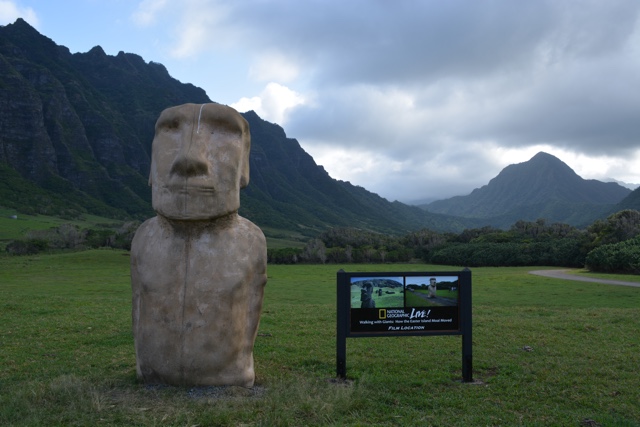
<point x="546" y="352"/>
<point x="17" y="228"/>
<point x="278" y="239"/>
<point x="11" y="229"/>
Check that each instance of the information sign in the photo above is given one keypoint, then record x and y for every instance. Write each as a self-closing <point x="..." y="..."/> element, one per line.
<point x="404" y="304"/>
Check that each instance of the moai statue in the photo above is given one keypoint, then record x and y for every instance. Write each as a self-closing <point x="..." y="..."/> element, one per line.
<point x="366" y="296"/>
<point x="432" y="288"/>
<point x="198" y="269"/>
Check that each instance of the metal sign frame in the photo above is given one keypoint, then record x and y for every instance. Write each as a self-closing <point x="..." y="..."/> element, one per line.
<point x="359" y="319"/>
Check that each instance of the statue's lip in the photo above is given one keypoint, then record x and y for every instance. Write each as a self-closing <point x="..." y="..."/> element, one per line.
<point x="175" y="188"/>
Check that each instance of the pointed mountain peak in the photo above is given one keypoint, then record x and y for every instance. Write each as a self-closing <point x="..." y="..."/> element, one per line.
<point x="541" y="165"/>
<point x="21" y="24"/>
<point x="22" y="28"/>
<point x="546" y="158"/>
<point x="542" y="156"/>
<point x="27" y="38"/>
<point x="97" y="51"/>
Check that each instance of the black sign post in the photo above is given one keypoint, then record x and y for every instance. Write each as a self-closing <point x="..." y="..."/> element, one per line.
<point x="404" y="304"/>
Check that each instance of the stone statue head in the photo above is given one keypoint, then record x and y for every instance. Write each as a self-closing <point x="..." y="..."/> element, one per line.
<point x="199" y="161"/>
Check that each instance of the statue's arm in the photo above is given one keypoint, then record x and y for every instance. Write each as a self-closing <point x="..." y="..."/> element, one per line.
<point x="258" y="280"/>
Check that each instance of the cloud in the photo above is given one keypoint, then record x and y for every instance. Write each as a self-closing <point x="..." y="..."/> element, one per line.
<point x="273" y="104"/>
<point x="273" y="67"/>
<point x="10" y="11"/>
<point x="147" y="12"/>
<point x="426" y="98"/>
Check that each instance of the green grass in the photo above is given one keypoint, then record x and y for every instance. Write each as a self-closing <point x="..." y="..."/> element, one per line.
<point x="67" y="358"/>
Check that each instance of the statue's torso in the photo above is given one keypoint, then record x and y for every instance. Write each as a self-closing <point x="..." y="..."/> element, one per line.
<point x="197" y="296"/>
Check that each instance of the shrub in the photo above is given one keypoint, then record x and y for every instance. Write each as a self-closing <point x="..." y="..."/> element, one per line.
<point x="623" y="257"/>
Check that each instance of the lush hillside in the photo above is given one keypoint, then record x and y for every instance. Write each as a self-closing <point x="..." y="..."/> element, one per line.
<point x="632" y="201"/>
<point x="81" y="124"/>
<point x="543" y="187"/>
<point x="288" y="189"/>
<point x="77" y="131"/>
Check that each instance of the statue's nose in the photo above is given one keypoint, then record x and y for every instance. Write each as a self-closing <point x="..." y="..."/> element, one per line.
<point x="191" y="159"/>
<point x="188" y="165"/>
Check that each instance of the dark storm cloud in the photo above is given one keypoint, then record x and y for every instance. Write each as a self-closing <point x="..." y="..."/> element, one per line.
<point x="427" y="83"/>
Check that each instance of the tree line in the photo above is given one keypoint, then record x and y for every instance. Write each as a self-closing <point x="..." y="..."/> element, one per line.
<point x="71" y="237"/>
<point x="609" y="245"/>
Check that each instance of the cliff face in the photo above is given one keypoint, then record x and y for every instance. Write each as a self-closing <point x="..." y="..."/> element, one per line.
<point x="82" y="123"/>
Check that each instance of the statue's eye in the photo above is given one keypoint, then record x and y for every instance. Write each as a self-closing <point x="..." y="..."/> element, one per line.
<point x="171" y="125"/>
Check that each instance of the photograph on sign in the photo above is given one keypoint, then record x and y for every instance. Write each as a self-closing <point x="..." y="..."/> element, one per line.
<point x="429" y="291"/>
<point x="369" y="292"/>
<point x="404" y="304"/>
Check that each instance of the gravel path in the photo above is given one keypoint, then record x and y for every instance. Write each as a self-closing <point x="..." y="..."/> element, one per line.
<point x="560" y="274"/>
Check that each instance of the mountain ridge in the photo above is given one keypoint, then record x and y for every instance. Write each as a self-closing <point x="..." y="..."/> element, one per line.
<point x="77" y="132"/>
<point x="80" y="127"/>
<point x="542" y="187"/>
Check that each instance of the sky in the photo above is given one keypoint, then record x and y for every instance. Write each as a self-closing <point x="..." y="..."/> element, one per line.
<point x="412" y="100"/>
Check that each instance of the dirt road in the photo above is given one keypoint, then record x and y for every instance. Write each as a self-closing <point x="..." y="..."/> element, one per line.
<point x="437" y="300"/>
<point x="560" y="274"/>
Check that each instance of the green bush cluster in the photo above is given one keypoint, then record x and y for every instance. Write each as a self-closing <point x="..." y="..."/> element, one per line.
<point x="622" y="257"/>
<point x="567" y="253"/>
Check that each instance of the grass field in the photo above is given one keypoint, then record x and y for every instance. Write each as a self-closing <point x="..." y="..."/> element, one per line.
<point x="546" y="352"/>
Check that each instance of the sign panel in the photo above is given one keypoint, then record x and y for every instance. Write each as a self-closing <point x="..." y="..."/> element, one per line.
<point x="404" y="303"/>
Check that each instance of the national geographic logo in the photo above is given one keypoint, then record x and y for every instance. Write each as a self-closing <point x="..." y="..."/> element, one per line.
<point x="383" y="313"/>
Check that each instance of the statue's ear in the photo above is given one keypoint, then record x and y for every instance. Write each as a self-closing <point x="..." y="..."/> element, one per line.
<point x="244" y="178"/>
<point x="244" y="166"/>
<point x="150" y="182"/>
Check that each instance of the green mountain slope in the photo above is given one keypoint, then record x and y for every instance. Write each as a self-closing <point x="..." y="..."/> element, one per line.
<point x="543" y="187"/>
<point x="289" y="190"/>
<point x="632" y="201"/>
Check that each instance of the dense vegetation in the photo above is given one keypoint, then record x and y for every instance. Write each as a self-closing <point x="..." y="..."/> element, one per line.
<point x="616" y="257"/>
<point x="611" y="245"/>
<point x="606" y="245"/>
